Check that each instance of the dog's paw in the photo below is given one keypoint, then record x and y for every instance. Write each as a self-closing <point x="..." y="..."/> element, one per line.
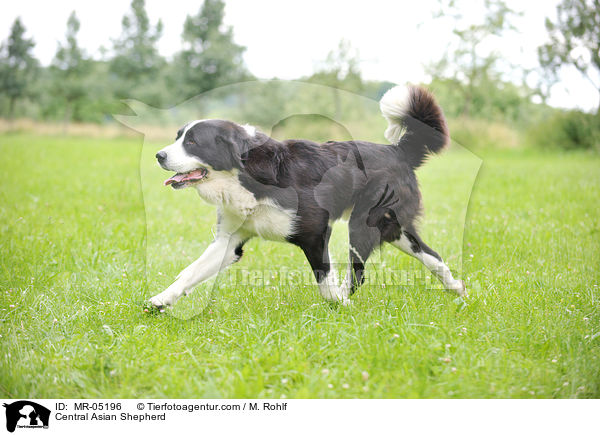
<point x="347" y="302"/>
<point x="158" y="303"/>
<point x="459" y="288"/>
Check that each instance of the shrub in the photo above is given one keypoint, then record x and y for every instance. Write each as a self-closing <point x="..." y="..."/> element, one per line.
<point x="480" y="135"/>
<point x="567" y="130"/>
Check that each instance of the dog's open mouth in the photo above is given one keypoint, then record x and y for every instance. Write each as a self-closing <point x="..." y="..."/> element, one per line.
<point x="178" y="180"/>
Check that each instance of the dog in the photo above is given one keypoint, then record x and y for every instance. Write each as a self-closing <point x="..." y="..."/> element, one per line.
<point x="293" y="190"/>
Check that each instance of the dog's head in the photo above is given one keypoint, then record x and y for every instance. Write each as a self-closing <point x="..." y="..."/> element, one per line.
<point x="202" y="147"/>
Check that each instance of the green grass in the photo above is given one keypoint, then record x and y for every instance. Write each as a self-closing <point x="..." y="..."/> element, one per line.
<point x="79" y="255"/>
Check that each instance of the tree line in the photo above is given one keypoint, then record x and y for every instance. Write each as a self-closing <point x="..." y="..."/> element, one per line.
<point x="77" y="87"/>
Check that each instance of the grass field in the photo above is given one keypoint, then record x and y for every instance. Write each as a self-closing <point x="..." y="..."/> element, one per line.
<point x="79" y="256"/>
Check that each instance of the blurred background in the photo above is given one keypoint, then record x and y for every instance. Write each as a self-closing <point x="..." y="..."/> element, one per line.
<point x="508" y="74"/>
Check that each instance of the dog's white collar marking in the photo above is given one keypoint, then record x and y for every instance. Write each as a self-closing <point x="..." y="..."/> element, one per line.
<point x="224" y="189"/>
<point x="249" y="129"/>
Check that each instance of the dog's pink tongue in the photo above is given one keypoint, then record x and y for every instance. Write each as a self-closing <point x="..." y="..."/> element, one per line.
<point x="175" y="179"/>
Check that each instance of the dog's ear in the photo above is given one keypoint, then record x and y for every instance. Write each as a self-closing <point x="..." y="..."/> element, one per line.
<point x="259" y="158"/>
<point x="232" y="157"/>
<point x="263" y="163"/>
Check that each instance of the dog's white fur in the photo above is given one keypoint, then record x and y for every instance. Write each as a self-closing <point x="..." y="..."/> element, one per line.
<point x="435" y="266"/>
<point x="219" y="254"/>
<point x="223" y="188"/>
<point x="251" y="130"/>
<point x="394" y="106"/>
<point x="331" y="291"/>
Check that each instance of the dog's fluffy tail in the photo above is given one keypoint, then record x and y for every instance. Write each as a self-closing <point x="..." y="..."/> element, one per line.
<point x="416" y="122"/>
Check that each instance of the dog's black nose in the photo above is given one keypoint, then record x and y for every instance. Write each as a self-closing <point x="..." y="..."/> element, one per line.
<point x="161" y="156"/>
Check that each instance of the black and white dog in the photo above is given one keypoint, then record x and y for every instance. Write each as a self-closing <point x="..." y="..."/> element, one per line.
<point x="293" y="190"/>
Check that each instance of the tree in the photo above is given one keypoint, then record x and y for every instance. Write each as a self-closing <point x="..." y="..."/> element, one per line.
<point x="70" y="68"/>
<point x="17" y="66"/>
<point x="137" y="62"/>
<point x="210" y="57"/>
<point x="465" y="65"/>
<point x="574" y="40"/>
<point x="340" y="71"/>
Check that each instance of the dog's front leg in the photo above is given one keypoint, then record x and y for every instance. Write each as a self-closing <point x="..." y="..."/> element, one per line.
<point x="315" y="247"/>
<point x="221" y="253"/>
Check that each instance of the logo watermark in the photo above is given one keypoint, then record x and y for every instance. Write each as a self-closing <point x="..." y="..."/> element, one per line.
<point x="25" y="414"/>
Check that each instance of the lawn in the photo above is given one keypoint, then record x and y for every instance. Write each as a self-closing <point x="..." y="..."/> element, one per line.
<point x="86" y="236"/>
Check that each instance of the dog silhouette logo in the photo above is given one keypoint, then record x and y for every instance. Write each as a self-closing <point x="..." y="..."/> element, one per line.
<point x="26" y="414"/>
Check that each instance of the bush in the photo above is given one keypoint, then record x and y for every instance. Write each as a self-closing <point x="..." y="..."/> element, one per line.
<point x="480" y="135"/>
<point x="567" y="130"/>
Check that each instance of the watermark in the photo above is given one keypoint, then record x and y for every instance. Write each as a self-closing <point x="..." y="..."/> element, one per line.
<point x="25" y="414"/>
<point x="378" y="275"/>
<point x="157" y="416"/>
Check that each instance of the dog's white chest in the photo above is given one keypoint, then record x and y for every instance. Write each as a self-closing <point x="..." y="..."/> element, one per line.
<point x="265" y="220"/>
<point x="224" y="189"/>
<point x="270" y="221"/>
<point x="242" y="211"/>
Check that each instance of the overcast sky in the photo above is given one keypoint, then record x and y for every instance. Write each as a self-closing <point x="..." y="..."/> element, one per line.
<point x="288" y="39"/>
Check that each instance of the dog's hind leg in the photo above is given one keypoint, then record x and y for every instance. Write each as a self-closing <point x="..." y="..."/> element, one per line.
<point x="362" y="241"/>
<point x="410" y="243"/>
<point x="221" y="253"/>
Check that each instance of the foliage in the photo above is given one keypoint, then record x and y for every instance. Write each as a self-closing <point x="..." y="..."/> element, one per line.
<point x="339" y="71"/>
<point x="492" y="100"/>
<point x="483" y="136"/>
<point x="272" y="99"/>
<point x="137" y="64"/>
<point x="70" y="68"/>
<point x="210" y="58"/>
<point x="574" y="40"/>
<point x="18" y="67"/>
<point x="465" y="66"/>
<point x="567" y="130"/>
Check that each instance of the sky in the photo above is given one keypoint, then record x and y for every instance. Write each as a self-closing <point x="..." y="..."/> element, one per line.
<point x="394" y="40"/>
